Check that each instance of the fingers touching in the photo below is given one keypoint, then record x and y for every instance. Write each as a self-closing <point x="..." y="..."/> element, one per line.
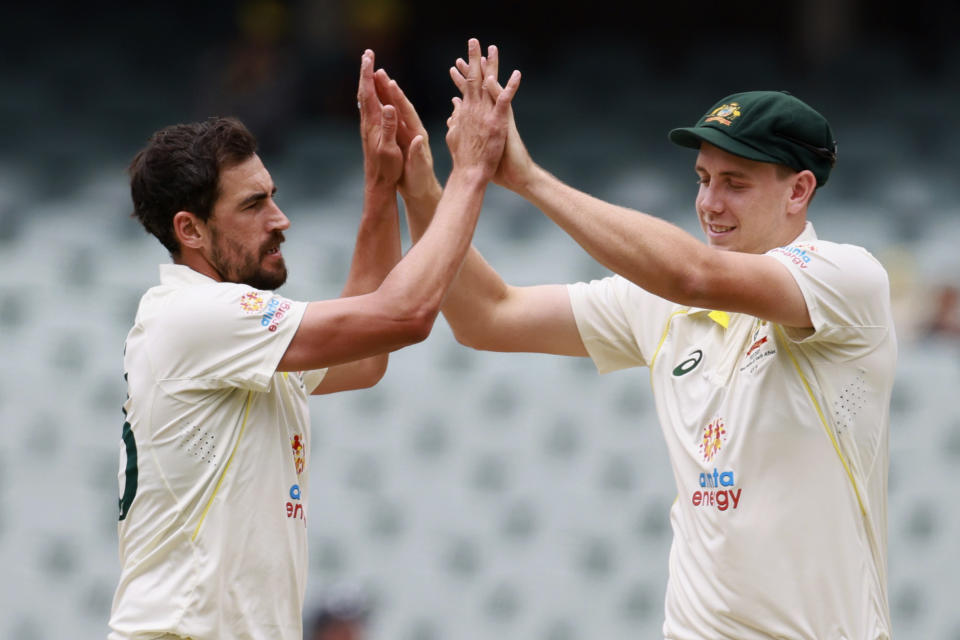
<point x="489" y="66"/>
<point x="504" y="96"/>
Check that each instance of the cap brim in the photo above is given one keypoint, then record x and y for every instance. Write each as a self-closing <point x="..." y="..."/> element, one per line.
<point x="692" y="137"/>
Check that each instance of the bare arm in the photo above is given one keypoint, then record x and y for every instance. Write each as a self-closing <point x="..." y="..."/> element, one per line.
<point x="377" y="247"/>
<point x="648" y="251"/>
<point x="482" y="310"/>
<point x="666" y="260"/>
<point x="401" y="311"/>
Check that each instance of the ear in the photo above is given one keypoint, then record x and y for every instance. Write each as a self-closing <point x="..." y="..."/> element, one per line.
<point x="190" y="230"/>
<point x="804" y="185"/>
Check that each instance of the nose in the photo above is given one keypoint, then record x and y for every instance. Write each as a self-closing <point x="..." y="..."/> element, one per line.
<point x="278" y="220"/>
<point x="708" y="199"/>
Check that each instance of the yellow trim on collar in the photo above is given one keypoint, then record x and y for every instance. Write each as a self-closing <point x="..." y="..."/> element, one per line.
<point x="722" y="318"/>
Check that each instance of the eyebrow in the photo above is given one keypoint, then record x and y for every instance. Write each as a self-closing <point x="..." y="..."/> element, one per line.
<point x="730" y="173"/>
<point x="254" y="197"/>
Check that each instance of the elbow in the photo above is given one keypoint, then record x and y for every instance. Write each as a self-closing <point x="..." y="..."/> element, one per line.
<point x="375" y="370"/>
<point x="407" y="320"/>
<point x="418" y="325"/>
<point x="466" y="338"/>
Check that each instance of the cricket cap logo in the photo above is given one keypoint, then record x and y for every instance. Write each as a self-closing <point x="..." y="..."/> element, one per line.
<point x="296" y="443"/>
<point x="725" y="114"/>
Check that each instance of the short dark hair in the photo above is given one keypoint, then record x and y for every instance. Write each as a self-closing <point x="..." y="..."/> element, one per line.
<point x="179" y="170"/>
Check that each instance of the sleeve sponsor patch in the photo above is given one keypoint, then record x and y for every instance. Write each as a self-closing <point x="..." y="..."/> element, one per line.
<point x="272" y="311"/>
<point x="797" y="253"/>
<point x="252" y="302"/>
<point x="276" y="310"/>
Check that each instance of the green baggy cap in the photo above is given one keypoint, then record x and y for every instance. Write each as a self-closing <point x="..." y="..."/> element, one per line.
<point x="768" y="126"/>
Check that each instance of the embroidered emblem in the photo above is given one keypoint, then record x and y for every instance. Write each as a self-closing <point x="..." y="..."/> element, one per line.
<point x="725" y="114"/>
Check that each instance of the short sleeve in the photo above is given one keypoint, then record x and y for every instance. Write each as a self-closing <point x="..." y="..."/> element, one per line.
<point x="222" y="335"/>
<point x="846" y="289"/>
<point x="313" y="378"/>
<point x="618" y="321"/>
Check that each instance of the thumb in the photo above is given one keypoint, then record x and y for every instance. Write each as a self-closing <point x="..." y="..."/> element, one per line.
<point x="416" y="146"/>
<point x="388" y="125"/>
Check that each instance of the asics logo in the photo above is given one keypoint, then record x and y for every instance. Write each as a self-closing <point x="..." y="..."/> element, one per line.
<point x="689" y="364"/>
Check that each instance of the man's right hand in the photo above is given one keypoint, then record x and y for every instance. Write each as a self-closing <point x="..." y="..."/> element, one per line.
<point x="419" y="181"/>
<point x="477" y="128"/>
<point x="516" y="166"/>
<point x="382" y="158"/>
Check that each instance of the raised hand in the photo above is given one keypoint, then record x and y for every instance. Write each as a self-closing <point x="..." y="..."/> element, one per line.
<point x="477" y="129"/>
<point x="418" y="179"/>
<point x="382" y="157"/>
<point x="516" y="165"/>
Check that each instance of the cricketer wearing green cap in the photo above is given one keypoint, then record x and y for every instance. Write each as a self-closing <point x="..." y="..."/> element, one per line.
<point x="767" y="126"/>
<point x="771" y="355"/>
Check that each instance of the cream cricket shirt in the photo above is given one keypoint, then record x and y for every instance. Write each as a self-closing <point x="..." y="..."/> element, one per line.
<point x="213" y="465"/>
<point x="778" y="443"/>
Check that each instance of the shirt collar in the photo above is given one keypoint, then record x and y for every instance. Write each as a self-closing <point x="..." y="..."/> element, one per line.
<point x="181" y="275"/>
<point x="807" y="234"/>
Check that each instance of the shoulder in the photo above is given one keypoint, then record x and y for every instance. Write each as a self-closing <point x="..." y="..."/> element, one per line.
<point x="615" y="305"/>
<point x="616" y="291"/>
<point x="211" y="308"/>
<point x="847" y="264"/>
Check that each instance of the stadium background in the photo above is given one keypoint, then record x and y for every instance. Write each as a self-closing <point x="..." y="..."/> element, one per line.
<point x="469" y="495"/>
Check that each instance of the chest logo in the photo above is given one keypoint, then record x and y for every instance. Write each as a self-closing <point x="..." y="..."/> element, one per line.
<point x="688" y="365"/>
<point x="298" y="453"/>
<point x="713" y="438"/>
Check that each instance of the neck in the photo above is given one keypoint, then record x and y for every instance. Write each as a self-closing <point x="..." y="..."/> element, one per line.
<point x="197" y="261"/>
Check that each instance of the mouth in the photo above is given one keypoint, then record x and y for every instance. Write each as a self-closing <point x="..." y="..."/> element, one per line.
<point x="719" y="229"/>
<point x="272" y="248"/>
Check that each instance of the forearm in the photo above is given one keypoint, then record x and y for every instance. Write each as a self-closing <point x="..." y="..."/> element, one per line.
<point x="377" y="249"/>
<point x="474" y="294"/>
<point x="420" y="209"/>
<point x="421" y="280"/>
<point x="653" y="253"/>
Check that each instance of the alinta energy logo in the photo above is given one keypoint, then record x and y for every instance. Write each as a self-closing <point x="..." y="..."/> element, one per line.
<point x="294" y="505"/>
<point x="717" y="489"/>
<point x="276" y="310"/>
<point x="798" y="253"/>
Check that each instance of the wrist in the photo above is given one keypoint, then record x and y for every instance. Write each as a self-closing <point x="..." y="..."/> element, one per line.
<point x="376" y="196"/>
<point x="473" y="175"/>
<point x="428" y="196"/>
<point x="379" y="186"/>
<point x="531" y="182"/>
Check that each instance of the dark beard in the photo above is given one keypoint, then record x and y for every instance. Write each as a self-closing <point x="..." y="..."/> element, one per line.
<point x="265" y="280"/>
<point x="245" y="269"/>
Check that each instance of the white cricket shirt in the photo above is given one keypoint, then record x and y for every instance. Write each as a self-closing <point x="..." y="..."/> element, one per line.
<point x="213" y="465"/>
<point x="778" y="441"/>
